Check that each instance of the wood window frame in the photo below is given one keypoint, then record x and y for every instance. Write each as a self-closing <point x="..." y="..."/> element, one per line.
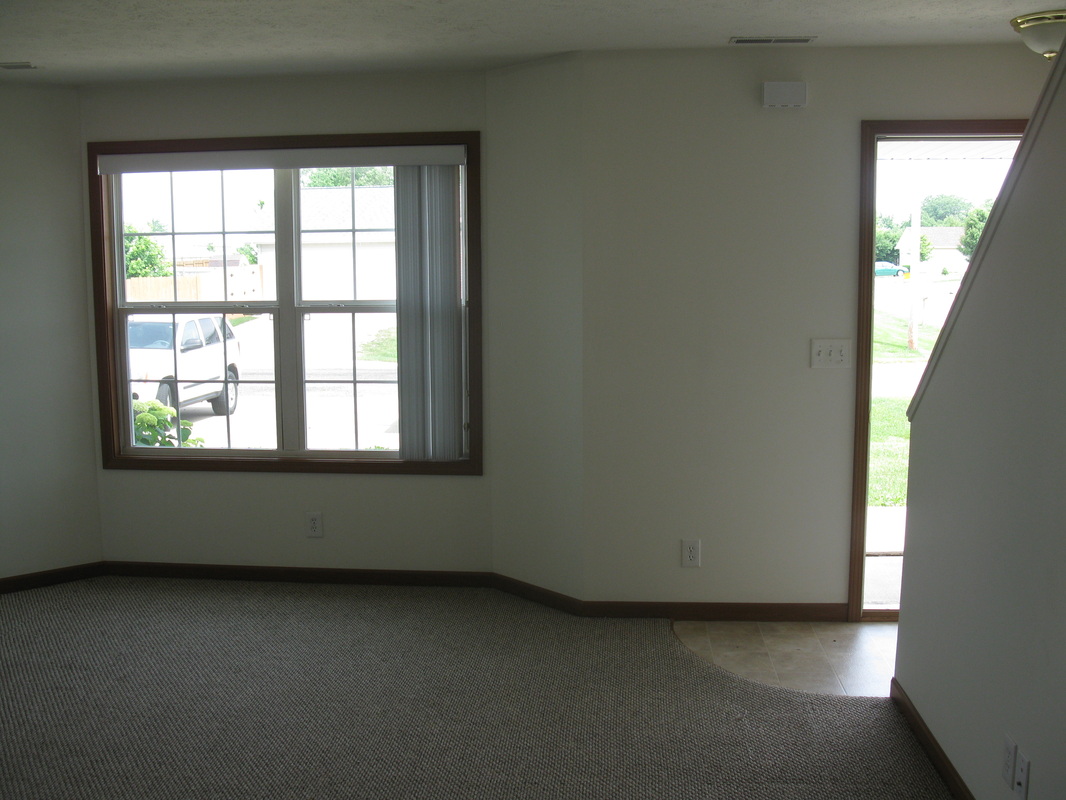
<point x="873" y="131"/>
<point x="106" y="298"/>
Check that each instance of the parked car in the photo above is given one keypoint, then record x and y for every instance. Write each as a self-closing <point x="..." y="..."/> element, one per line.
<point x="183" y="359"/>
<point x="888" y="268"/>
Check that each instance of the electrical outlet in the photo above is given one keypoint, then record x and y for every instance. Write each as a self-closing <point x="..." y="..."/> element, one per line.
<point x="1006" y="770"/>
<point x="690" y="552"/>
<point x="1021" y="776"/>
<point x="314" y="525"/>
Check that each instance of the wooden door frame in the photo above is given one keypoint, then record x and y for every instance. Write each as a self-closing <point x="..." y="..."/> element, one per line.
<point x="872" y="132"/>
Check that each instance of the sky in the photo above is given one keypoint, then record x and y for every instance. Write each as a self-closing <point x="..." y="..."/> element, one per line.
<point x="910" y="171"/>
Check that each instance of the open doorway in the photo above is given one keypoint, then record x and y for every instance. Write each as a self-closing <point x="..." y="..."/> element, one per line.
<point x="927" y="187"/>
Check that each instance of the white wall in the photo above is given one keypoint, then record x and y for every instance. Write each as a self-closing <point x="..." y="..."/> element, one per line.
<point x="659" y="251"/>
<point x="371" y="521"/>
<point x="718" y="238"/>
<point x="49" y="516"/>
<point x="535" y="341"/>
<point x="982" y="639"/>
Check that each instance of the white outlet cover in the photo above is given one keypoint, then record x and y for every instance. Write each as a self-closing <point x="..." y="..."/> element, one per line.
<point x="1021" y="776"/>
<point x="690" y="552"/>
<point x="1007" y="768"/>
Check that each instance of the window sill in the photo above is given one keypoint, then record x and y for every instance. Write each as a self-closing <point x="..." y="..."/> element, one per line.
<point x="367" y="466"/>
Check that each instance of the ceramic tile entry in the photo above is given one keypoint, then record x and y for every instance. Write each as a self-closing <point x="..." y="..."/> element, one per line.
<point x="852" y="658"/>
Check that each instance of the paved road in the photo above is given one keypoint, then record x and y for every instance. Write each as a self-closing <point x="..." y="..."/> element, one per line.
<point x="331" y="411"/>
<point x="897" y="379"/>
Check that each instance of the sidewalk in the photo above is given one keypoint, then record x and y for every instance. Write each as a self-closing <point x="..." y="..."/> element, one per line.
<point x="885" y="529"/>
<point x="896" y="378"/>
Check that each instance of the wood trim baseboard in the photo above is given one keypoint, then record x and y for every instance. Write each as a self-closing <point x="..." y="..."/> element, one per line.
<point x="757" y="612"/>
<point x="880" y="615"/>
<point x="242" y="572"/>
<point x="956" y="785"/>
<point x="746" y="612"/>
<point x="50" y="577"/>
<point x="537" y="594"/>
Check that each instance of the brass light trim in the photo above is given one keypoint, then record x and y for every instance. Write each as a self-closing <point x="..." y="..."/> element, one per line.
<point x="1043" y="32"/>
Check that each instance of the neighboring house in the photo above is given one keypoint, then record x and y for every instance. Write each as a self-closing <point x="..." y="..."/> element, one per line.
<point x="945" y="253"/>
<point x="349" y="235"/>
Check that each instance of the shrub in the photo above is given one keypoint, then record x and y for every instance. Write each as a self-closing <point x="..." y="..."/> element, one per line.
<point x="157" y="425"/>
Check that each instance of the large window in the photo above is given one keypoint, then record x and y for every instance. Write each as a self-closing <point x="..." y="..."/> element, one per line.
<point x="304" y="304"/>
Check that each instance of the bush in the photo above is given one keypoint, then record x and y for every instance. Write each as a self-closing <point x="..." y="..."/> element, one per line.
<point x="157" y="425"/>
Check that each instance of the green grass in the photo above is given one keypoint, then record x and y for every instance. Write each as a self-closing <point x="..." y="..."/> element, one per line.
<point x="890" y="338"/>
<point x="890" y="442"/>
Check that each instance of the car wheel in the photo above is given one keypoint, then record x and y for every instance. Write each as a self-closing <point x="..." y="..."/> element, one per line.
<point x="900" y="273"/>
<point x="226" y="403"/>
<point x="165" y="395"/>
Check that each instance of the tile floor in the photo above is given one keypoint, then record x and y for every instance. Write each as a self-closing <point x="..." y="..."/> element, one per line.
<point x="825" y="657"/>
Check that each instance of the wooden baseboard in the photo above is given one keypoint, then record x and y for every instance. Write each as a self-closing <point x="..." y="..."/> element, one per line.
<point x="746" y="612"/>
<point x="760" y="612"/>
<point x="50" y="577"/>
<point x="880" y="615"/>
<point x="956" y="785"/>
<point x="538" y="594"/>
<point x="238" y="572"/>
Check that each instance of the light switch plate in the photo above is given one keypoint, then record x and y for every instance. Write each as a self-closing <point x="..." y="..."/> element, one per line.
<point x="831" y="353"/>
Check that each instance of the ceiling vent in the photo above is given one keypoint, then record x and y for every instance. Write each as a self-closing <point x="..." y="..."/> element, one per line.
<point x="772" y="39"/>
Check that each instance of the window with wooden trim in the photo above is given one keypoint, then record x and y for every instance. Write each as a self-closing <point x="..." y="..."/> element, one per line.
<point x="303" y="304"/>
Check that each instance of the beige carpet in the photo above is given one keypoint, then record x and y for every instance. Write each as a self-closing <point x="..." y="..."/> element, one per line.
<point x="147" y="688"/>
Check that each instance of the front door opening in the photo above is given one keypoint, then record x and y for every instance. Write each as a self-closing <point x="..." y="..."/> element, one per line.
<point x="928" y="188"/>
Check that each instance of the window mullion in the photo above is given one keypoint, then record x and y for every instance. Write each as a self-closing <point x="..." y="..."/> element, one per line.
<point x="289" y="333"/>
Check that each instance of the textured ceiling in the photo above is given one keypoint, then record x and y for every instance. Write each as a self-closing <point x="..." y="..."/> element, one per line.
<point x="76" y="41"/>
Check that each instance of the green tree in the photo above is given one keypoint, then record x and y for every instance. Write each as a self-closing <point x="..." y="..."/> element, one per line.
<point x="925" y="249"/>
<point x="346" y="176"/>
<point x="945" y="211"/>
<point x="886" y="236"/>
<point x="144" y="256"/>
<point x="250" y="252"/>
<point x="972" y="228"/>
<point x="381" y="347"/>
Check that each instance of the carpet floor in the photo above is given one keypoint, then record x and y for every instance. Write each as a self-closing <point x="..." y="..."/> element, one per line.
<point x="117" y="688"/>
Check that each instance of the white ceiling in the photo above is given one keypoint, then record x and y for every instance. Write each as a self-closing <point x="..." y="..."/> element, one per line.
<point x="74" y="41"/>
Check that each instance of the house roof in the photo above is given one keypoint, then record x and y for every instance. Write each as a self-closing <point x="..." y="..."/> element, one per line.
<point x="943" y="237"/>
<point x="82" y="41"/>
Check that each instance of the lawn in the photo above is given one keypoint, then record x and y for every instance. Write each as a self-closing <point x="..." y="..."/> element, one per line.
<point x="890" y="440"/>
<point x="890" y="338"/>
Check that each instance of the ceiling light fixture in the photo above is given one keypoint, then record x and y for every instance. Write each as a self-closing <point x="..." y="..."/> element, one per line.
<point x="1042" y="32"/>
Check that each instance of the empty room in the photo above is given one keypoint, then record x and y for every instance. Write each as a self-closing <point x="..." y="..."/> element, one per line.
<point x="390" y="390"/>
